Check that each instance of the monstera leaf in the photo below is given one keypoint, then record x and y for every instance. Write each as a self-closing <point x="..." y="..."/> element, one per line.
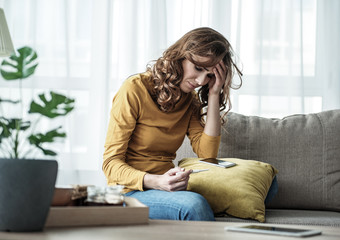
<point x="58" y="105"/>
<point x="8" y="125"/>
<point x="49" y="137"/>
<point x="19" y="66"/>
<point x="18" y="138"/>
<point x="12" y="124"/>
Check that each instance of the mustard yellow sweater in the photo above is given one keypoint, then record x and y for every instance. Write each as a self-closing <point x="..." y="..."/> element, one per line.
<point x="142" y="139"/>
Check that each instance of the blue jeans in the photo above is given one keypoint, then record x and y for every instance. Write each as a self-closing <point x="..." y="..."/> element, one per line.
<point x="272" y="191"/>
<point x="181" y="205"/>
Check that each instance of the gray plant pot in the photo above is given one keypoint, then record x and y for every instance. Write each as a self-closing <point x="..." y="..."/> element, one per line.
<point x="26" y="192"/>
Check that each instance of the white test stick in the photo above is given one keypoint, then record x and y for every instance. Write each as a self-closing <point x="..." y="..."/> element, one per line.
<point x="194" y="171"/>
<point x="199" y="170"/>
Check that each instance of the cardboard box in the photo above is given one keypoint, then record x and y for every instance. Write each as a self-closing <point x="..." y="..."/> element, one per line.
<point x="133" y="213"/>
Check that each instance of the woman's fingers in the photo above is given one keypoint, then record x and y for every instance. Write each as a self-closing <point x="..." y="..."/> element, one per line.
<point x="175" y="170"/>
<point x="176" y="179"/>
<point x="220" y="72"/>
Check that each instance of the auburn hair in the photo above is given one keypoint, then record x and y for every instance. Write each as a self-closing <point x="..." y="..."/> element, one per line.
<point x="167" y="71"/>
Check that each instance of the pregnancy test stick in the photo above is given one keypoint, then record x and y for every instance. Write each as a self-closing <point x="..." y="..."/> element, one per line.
<point x="194" y="171"/>
<point x="199" y="170"/>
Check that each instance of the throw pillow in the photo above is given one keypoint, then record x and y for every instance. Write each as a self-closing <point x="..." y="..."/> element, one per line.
<point x="239" y="191"/>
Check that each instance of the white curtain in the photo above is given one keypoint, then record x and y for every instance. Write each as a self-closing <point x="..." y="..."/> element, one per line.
<point x="288" y="50"/>
<point x="327" y="63"/>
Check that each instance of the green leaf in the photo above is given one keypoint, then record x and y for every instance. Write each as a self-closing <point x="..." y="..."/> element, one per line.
<point x="15" y="123"/>
<point x="48" y="152"/>
<point x="8" y="125"/>
<point x="5" y="132"/>
<point x="19" y="66"/>
<point x="58" y="105"/>
<point x="49" y="137"/>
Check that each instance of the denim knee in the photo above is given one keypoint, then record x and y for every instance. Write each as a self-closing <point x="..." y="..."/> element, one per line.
<point x="272" y="191"/>
<point x="196" y="208"/>
<point x="181" y="205"/>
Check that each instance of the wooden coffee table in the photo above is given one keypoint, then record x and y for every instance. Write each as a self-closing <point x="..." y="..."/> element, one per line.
<point x="163" y="230"/>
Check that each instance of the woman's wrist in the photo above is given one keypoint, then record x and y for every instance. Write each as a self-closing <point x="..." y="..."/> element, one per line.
<point x="214" y="101"/>
<point x="150" y="181"/>
<point x="212" y="126"/>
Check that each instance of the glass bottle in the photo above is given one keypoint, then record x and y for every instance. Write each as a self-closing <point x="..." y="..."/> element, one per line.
<point x="114" y="196"/>
<point x="105" y="196"/>
<point x="95" y="196"/>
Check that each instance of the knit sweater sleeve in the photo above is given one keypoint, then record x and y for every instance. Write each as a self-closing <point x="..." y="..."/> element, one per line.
<point x="125" y="110"/>
<point x="203" y="145"/>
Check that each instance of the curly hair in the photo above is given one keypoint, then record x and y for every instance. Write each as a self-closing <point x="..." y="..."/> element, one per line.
<point x="167" y="71"/>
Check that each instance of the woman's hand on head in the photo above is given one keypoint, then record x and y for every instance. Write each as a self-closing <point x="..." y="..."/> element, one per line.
<point x="176" y="179"/>
<point x="215" y="85"/>
<point x="213" y="122"/>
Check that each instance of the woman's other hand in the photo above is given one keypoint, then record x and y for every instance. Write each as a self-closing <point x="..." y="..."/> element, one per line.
<point x="213" y="122"/>
<point x="176" y="179"/>
<point x="220" y="72"/>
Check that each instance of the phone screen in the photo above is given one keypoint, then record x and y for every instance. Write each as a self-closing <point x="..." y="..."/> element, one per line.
<point x="275" y="230"/>
<point x="218" y="162"/>
<point x="267" y="228"/>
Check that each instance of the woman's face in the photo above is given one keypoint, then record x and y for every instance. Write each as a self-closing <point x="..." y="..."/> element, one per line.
<point x="195" y="76"/>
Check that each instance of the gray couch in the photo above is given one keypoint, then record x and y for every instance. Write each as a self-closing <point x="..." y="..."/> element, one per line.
<point x="306" y="151"/>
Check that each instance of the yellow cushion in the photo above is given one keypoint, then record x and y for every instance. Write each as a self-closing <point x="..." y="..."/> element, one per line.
<point x="239" y="191"/>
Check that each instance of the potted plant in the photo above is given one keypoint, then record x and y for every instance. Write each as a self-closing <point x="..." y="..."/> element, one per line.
<point x="27" y="181"/>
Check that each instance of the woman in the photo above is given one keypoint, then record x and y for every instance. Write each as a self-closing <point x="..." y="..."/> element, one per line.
<point x="153" y="111"/>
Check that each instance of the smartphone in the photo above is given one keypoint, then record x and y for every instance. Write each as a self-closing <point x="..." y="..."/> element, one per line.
<point x="217" y="162"/>
<point x="291" y="232"/>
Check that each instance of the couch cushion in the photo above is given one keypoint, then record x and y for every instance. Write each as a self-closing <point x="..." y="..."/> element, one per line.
<point x="304" y="148"/>
<point x="239" y="190"/>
